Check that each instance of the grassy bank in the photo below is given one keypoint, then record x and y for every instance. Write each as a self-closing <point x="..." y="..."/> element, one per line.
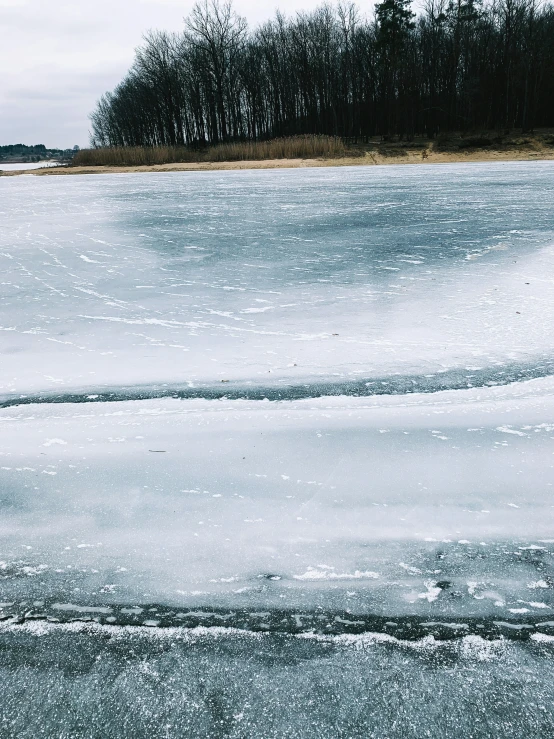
<point x="293" y="147"/>
<point x="322" y="148"/>
<point x="310" y="151"/>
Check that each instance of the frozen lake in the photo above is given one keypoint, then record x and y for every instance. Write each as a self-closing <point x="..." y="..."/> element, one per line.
<point x="303" y="402"/>
<point x="20" y="166"/>
<point x="273" y="277"/>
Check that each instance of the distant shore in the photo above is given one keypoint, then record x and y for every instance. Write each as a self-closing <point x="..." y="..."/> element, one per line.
<point x="408" y="156"/>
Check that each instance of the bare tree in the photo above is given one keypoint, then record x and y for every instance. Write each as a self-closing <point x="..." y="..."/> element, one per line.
<point x="219" y="35"/>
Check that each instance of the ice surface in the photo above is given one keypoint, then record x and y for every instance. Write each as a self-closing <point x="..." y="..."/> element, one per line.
<point x="18" y="166"/>
<point x="101" y="682"/>
<point x="364" y="503"/>
<point x="273" y="276"/>
<point x="226" y="288"/>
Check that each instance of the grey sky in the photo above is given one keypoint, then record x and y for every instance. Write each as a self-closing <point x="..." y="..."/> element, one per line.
<point x="58" y="56"/>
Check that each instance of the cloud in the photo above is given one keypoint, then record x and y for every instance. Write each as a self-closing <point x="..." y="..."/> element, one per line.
<point x="58" y="57"/>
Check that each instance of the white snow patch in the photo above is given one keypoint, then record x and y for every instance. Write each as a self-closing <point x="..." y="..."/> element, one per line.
<point x="51" y="442"/>
<point x="432" y="593"/>
<point x="325" y="574"/>
<point x="537" y="584"/>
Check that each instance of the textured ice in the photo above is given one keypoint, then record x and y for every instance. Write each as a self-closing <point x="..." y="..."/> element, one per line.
<point x="273" y="277"/>
<point x="264" y="303"/>
<point x="257" y="502"/>
<point x="84" y="681"/>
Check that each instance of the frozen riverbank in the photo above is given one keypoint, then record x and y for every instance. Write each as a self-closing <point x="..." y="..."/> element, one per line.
<point x="372" y="158"/>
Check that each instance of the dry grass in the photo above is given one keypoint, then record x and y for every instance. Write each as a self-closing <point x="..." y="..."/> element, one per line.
<point x="293" y="147"/>
<point x="310" y="151"/>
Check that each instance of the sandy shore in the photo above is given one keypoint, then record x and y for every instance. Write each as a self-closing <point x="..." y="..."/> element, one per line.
<point x="415" y="156"/>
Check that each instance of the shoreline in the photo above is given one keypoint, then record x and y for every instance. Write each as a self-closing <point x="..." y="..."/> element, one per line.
<point x="370" y="159"/>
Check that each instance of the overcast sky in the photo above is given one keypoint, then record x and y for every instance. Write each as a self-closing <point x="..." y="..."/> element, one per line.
<point x="58" y="56"/>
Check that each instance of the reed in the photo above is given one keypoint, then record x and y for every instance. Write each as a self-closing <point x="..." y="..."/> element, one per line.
<point x="293" y="147"/>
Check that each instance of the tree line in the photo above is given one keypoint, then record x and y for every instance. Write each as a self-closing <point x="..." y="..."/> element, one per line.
<point x="38" y="152"/>
<point x="460" y="65"/>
